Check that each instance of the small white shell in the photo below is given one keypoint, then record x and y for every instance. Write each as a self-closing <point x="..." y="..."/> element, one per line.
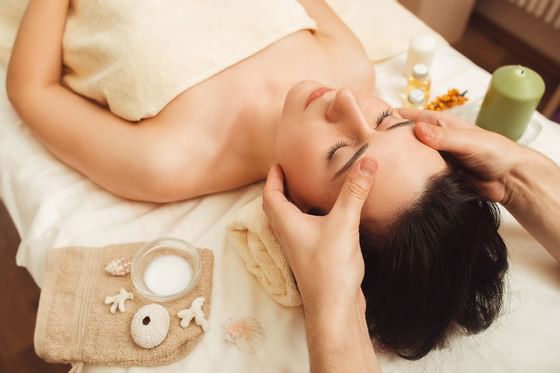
<point x="118" y="267"/>
<point x="247" y="334"/>
<point x="150" y="325"/>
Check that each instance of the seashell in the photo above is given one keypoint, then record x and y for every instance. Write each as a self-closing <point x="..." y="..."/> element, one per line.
<point x="150" y="325"/>
<point x="246" y="334"/>
<point x="118" y="267"/>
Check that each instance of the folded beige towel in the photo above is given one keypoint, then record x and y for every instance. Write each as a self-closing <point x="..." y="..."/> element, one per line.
<point x="250" y="234"/>
<point x="10" y="15"/>
<point x="75" y="325"/>
<point x="138" y="55"/>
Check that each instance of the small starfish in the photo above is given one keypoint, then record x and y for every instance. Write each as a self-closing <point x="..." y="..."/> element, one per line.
<point x="118" y="300"/>
<point x="195" y="312"/>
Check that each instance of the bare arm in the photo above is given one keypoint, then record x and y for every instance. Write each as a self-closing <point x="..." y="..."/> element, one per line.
<point x="534" y="200"/>
<point x="338" y="339"/>
<point x="107" y="149"/>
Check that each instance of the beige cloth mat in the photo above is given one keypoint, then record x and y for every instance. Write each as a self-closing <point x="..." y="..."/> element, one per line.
<point x="75" y="325"/>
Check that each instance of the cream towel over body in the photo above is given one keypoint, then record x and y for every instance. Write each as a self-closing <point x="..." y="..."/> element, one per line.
<point x="250" y="234"/>
<point x="137" y="55"/>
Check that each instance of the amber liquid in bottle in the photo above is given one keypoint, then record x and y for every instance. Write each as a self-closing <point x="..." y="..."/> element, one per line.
<point x="421" y="80"/>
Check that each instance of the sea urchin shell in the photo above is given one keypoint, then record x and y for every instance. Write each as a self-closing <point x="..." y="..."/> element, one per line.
<point x="150" y="325"/>
<point x="118" y="267"/>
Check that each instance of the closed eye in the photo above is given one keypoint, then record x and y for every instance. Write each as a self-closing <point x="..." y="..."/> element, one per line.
<point x="334" y="148"/>
<point x="384" y="114"/>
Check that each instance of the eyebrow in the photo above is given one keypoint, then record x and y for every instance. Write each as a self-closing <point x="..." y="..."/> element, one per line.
<point x="401" y="124"/>
<point x="351" y="161"/>
<point x="363" y="148"/>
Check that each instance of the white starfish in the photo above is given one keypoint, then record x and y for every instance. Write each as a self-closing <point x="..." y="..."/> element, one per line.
<point x="195" y="312"/>
<point x="118" y="300"/>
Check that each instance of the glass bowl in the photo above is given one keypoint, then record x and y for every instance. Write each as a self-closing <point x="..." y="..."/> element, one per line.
<point x="165" y="269"/>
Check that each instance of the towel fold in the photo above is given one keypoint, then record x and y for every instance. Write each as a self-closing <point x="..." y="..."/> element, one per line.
<point x="75" y="325"/>
<point x="250" y="234"/>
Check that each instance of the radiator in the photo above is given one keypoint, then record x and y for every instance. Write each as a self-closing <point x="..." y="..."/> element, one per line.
<point x="536" y="22"/>
<point x="548" y="11"/>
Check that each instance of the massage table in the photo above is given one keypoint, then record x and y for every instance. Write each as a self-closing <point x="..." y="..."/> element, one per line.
<point x="53" y="206"/>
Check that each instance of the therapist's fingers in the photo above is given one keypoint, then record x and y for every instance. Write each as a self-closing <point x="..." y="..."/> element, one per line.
<point x="275" y="203"/>
<point x="354" y="192"/>
<point x="434" y="117"/>
<point x="453" y="140"/>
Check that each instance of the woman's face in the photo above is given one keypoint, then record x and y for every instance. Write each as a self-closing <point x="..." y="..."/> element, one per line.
<point x="323" y="132"/>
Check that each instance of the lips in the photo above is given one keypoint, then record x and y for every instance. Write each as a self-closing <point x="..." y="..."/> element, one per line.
<point x="315" y="94"/>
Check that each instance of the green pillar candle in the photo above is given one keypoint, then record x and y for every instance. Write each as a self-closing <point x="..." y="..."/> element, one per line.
<point x="511" y="99"/>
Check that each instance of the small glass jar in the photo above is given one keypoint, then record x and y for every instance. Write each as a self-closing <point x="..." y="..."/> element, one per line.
<point x="166" y="269"/>
<point x="415" y="99"/>
<point x="420" y="79"/>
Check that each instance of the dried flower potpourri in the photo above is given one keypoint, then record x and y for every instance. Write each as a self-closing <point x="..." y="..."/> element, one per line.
<point x="446" y="101"/>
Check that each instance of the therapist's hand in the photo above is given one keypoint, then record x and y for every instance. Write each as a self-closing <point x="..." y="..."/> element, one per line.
<point x="523" y="180"/>
<point x="490" y="157"/>
<point x="322" y="251"/>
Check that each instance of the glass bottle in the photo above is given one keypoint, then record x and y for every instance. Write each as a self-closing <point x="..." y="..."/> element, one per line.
<point x="420" y="79"/>
<point x="415" y="99"/>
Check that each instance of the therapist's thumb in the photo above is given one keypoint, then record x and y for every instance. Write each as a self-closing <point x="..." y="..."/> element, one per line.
<point x="453" y="140"/>
<point x="354" y="192"/>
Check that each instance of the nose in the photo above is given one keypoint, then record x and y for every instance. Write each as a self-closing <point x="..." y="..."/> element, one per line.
<point x="345" y="110"/>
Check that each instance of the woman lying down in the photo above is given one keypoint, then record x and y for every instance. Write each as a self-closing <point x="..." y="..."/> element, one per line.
<point x="298" y="93"/>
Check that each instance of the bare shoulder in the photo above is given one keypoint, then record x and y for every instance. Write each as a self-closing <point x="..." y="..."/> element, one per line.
<point x="329" y="24"/>
<point x="342" y="45"/>
<point x="188" y="160"/>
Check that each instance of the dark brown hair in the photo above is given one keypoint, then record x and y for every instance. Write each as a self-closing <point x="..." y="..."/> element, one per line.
<point x="440" y="264"/>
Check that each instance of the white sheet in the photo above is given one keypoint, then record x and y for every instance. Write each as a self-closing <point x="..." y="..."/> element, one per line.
<point x="53" y="206"/>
